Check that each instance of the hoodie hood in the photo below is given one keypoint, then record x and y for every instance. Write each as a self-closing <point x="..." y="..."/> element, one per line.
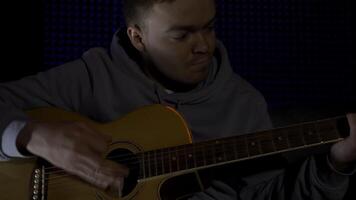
<point x="128" y="58"/>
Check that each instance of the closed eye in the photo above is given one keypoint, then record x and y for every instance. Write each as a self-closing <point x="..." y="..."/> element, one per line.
<point x="180" y="36"/>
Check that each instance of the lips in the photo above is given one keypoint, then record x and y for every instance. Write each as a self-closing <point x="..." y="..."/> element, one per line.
<point x="201" y="61"/>
<point x="200" y="65"/>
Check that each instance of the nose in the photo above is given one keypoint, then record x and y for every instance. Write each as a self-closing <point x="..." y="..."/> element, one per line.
<point x="201" y="45"/>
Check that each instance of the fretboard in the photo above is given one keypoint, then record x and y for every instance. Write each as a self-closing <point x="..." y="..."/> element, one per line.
<point x="237" y="148"/>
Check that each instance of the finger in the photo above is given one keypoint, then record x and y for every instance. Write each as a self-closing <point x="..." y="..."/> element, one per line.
<point x="97" y="141"/>
<point x="106" y="174"/>
<point x="93" y="131"/>
<point x="114" y="174"/>
<point x="105" y="137"/>
<point x="113" y="169"/>
<point x="351" y="118"/>
<point x="116" y="188"/>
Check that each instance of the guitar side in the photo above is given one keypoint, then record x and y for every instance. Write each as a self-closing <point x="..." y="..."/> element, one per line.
<point x="148" y="128"/>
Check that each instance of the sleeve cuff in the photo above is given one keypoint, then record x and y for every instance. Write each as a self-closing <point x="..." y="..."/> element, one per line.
<point x="8" y="140"/>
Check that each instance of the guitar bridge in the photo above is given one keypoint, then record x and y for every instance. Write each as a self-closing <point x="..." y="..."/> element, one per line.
<point x="38" y="183"/>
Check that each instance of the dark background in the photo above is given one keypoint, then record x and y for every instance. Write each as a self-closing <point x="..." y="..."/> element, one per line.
<point x="299" y="53"/>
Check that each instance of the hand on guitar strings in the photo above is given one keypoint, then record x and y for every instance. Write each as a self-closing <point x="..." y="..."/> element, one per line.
<point x="343" y="153"/>
<point x="75" y="148"/>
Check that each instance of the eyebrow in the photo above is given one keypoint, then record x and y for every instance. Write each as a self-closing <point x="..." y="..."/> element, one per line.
<point x="190" y="28"/>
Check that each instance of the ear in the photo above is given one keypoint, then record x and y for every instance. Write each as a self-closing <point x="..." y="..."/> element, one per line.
<point x="136" y="37"/>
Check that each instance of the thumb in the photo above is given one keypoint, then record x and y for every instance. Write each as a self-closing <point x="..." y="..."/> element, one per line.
<point x="110" y="176"/>
<point x="351" y="118"/>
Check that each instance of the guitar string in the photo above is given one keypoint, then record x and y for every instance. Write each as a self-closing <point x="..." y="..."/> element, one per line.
<point x="316" y="125"/>
<point x="133" y="157"/>
<point x="161" y="155"/>
<point x="210" y="158"/>
<point x="159" y="152"/>
<point x="62" y="182"/>
<point x="129" y="157"/>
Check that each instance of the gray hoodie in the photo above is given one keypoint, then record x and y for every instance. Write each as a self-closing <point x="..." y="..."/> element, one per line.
<point x="107" y="85"/>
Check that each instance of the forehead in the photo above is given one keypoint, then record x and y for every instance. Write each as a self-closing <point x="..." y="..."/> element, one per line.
<point x="181" y="13"/>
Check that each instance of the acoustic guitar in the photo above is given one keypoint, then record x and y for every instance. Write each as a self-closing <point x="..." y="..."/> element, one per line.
<point x="156" y="144"/>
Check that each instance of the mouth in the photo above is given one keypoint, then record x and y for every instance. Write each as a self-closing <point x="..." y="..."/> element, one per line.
<point x="201" y="66"/>
<point x="202" y="61"/>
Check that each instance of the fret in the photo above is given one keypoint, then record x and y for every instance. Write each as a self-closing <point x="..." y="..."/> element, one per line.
<point x="199" y="155"/>
<point x="224" y="153"/>
<point x="142" y="166"/>
<point x="159" y="162"/>
<point x="230" y="149"/>
<point x="191" y="157"/>
<point x="280" y="140"/>
<point x="152" y="158"/>
<point x="328" y="130"/>
<point x="253" y="145"/>
<point x="310" y="134"/>
<point x="209" y="152"/>
<point x="266" y="143"/>
<point x="166" y="161"/>
<point x="147" y="164"/>
<point x="173" y="159"/>
<point x="241" y="148"/>
<point x="181" y="158"/>
<point x="342" y="127"/>
<point x="295" y="137"/>
<point x="219" y="151"/>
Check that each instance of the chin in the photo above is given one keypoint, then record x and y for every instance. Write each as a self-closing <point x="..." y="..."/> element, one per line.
<point x="194" y="80"/>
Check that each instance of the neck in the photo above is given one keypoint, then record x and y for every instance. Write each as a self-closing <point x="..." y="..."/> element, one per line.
<point x="154" y="74"/>
<point x="216" y="152"/>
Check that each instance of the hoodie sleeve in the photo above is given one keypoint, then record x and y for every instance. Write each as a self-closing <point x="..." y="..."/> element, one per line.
<point x="309" y="180"/>
<point x="65" y="86"/>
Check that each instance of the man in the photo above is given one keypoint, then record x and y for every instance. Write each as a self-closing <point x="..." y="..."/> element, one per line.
<point x="167" y="55"/>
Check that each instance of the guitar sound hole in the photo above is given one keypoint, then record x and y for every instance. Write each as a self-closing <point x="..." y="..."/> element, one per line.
<point x="130" y="160"/>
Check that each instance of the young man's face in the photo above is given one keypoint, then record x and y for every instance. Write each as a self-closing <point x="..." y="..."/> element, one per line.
<point x="179" y="39"/>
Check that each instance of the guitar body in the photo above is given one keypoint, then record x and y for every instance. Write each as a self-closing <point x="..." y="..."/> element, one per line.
<point x="148" y="128"/>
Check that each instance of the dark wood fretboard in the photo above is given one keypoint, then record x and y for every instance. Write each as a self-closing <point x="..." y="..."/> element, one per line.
<point x="233" y="149"/>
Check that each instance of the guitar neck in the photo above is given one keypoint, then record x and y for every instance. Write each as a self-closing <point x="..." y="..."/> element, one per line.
<point x="232" y="149"/>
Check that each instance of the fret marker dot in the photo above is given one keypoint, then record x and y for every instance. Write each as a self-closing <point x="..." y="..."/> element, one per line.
<point x="174" y="158"/>
<point x="280" y="138"/>
<point x="190" y="155"/>
<point x="253" y="143"/>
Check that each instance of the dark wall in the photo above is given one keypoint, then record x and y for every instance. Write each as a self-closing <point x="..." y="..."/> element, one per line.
<point x="21" y="39"/>
<point x="298" y="53"/>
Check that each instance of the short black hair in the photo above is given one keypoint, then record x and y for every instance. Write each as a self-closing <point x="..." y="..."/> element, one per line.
<point x="133" y="10"/>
